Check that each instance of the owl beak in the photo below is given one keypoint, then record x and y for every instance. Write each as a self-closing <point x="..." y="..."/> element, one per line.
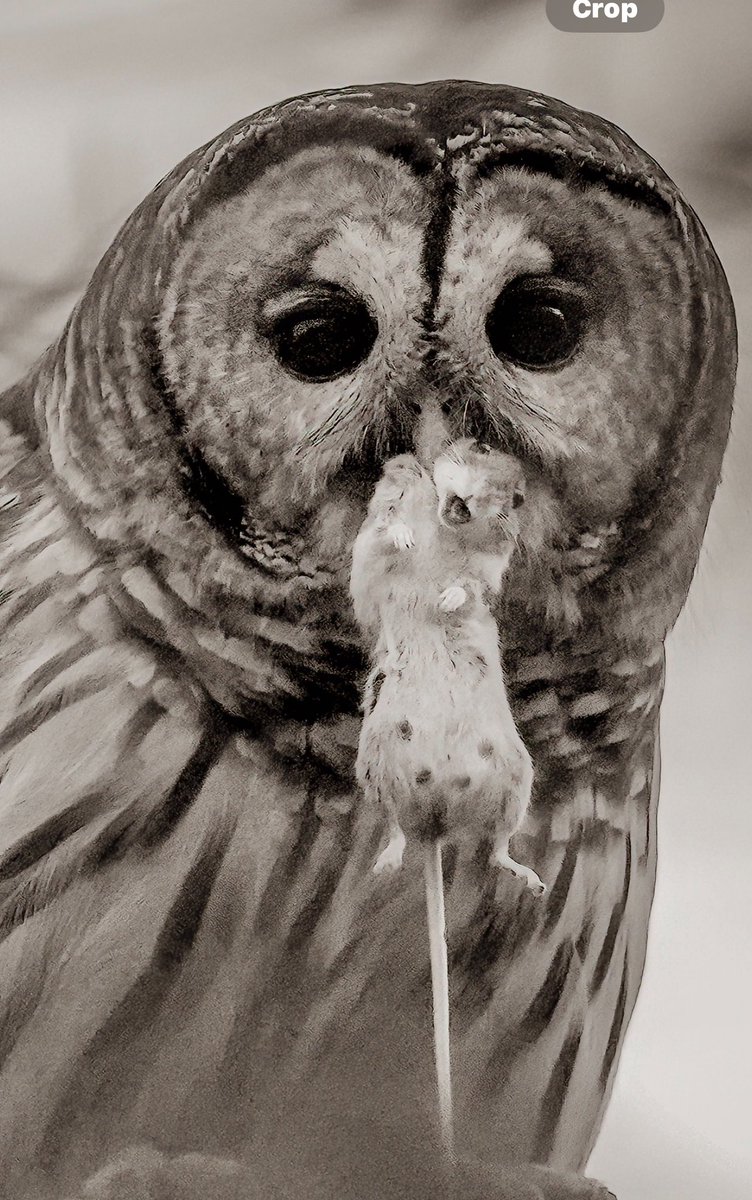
<point x="431" y="435"/>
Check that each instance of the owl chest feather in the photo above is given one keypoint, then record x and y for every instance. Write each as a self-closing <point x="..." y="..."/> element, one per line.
<point x="209" y="893"/>
<point x="228" y="906"/>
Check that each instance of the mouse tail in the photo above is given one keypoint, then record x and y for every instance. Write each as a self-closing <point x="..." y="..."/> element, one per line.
<point x="434" y="882"/>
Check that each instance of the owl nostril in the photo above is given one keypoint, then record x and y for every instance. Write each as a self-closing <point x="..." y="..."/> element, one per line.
<point x="455" y="511"/>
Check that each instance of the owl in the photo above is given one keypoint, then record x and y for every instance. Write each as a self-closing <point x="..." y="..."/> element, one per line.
<point x="195" y="953"/>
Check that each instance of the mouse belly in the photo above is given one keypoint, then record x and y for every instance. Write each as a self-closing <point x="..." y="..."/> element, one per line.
<point x="442" y="749"/>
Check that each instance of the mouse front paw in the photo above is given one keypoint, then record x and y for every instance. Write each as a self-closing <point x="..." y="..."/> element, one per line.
<point x="452" y="598"/>
<point x="401" y="535"/>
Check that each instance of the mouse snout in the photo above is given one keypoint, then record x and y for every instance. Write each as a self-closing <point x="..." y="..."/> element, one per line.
<point x="454" y="511"/>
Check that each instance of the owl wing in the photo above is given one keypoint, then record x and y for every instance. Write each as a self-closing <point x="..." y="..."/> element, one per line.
<point x="101" y="752"/>
<point x="134" y="819"/>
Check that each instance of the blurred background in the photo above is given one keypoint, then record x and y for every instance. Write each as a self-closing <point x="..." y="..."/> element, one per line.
<point x="99" y="98"/>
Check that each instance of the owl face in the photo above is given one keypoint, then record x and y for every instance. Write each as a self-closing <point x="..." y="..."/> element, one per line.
<point x="352" y="276"/>
<point x="312" y="323"/>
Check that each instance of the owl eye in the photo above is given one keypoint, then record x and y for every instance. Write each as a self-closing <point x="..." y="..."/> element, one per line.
<point x="323" y="335"/>
<point x="536" y="323"/>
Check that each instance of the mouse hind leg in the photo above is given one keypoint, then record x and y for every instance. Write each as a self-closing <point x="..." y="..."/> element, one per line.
<point x="390" y="858"/>
<point x="503" y="859"/>
<point x="508" y="822"/>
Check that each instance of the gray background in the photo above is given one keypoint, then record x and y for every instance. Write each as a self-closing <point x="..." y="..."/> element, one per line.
<point x="98" y="98"/>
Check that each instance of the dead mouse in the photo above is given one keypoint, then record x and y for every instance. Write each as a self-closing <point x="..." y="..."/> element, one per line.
<point x="439" y="748"/>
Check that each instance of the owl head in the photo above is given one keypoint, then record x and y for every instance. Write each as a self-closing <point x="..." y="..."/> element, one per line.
<point x="355" y="274"/>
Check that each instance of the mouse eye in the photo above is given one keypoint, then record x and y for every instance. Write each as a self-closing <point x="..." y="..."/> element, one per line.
<point x="322" y="334"/>
<point x="536" y="323"/>
<point x="484" y="448"/>
<point x="517" y="499"/>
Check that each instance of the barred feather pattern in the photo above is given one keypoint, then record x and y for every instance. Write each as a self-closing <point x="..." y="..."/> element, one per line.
<point x="189" y="921"/>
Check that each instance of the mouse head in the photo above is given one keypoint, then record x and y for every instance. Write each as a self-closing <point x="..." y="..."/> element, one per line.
<point x="476" y="483"/>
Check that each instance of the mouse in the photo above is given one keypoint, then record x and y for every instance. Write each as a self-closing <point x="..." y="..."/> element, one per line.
<point x="439" y="750"/>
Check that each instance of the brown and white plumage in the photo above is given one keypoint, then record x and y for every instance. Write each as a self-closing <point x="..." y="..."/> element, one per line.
<point x="194" y="949"/>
